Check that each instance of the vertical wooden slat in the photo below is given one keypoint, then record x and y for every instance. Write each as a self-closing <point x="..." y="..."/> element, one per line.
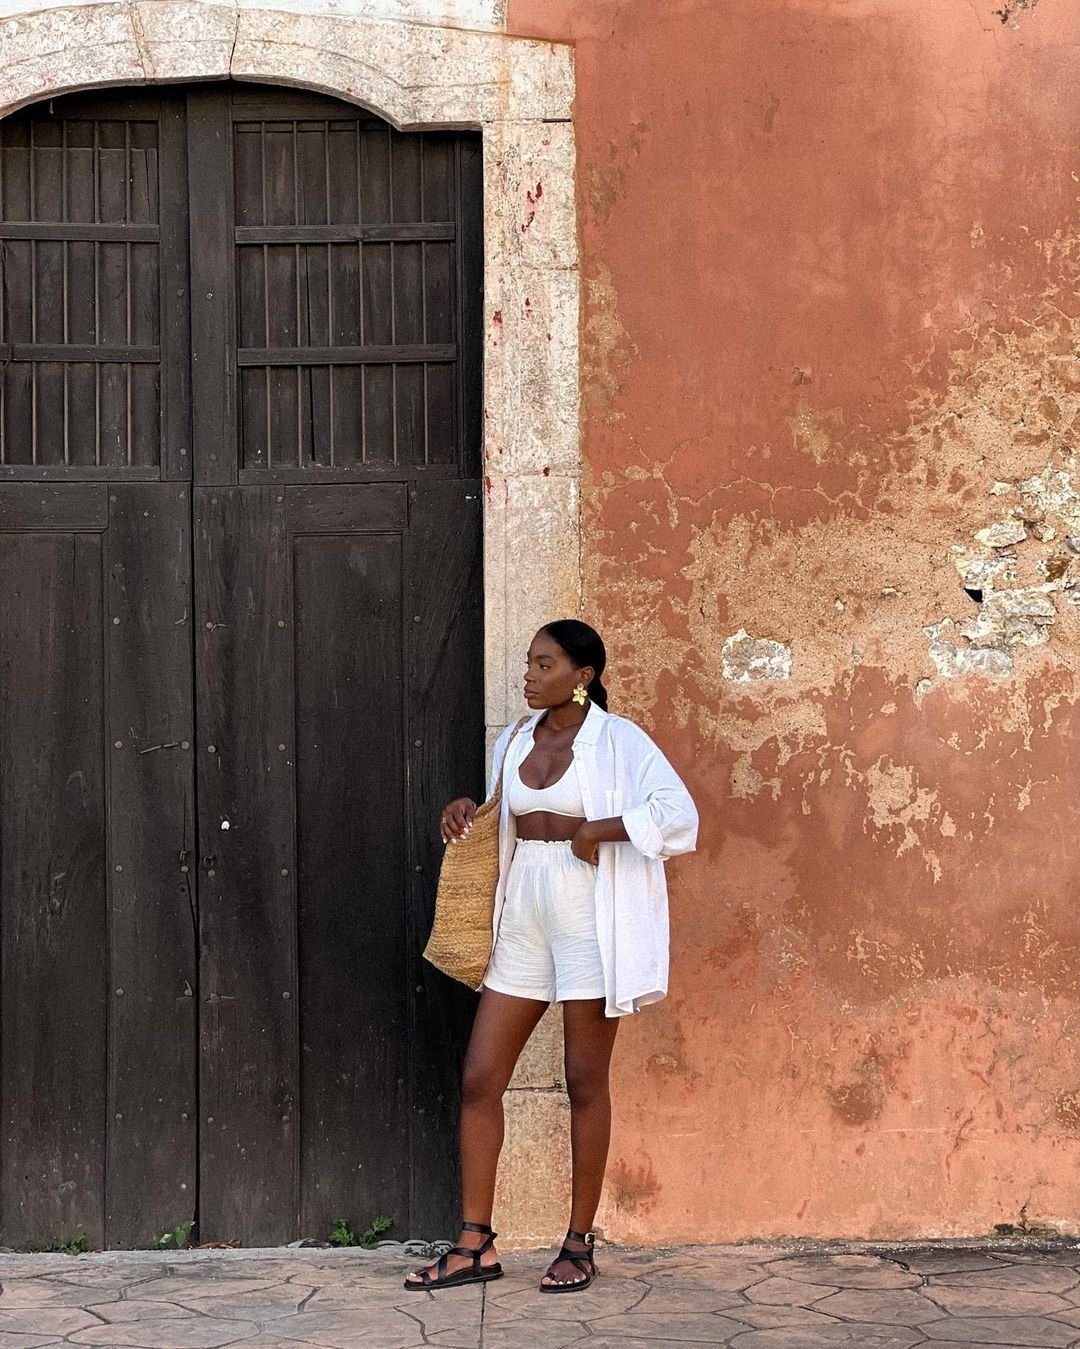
<point x="152" y="1041"/>
<point x="145" y="418"/>
<point x="348" y="413"/>
<point x="113" y="405"/>
<point x="353" y="1015"/>
<point x="248" y="998"/>
<point x="53" y="913"/>
<point x="316" y="330"/>
<point x="213" y="346"/>
<point x="342" y="173"/>
<point x="438" y="160"/>
<point x="406" y="172"/>
<point x="470" y="304"/>
<point x="253" y="304"/>
<point x="408" y="293"/>
<point x="280" y="192"/>
<point x="18" y="435"/>
<point x="50" y="412"/>
<point x="445" y="756"/>
<point x="49" y="290"/>
<point x="442" y="448"/>
<point x="112" y="307"/>
<point x="378" y="414"/>
<point x="174" y="305"/>
<point x="16" y="190"/>
<point x="248" y="168"/>
<point x="112" y="163"/>
<point x="311" y="173"/>
<point x="409" y="414"/>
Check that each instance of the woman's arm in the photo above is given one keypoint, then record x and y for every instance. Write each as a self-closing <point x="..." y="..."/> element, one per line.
<point x="663" y="822"/>
<point x="457" y="816"/>
<point x="591" y="833"/>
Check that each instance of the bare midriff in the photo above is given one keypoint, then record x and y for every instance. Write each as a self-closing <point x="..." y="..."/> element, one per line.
<point x="540" y="826"/>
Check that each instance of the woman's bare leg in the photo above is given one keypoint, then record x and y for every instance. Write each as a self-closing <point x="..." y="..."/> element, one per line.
<point x="589" y="1038"/>
<point x="500" y="1031"/>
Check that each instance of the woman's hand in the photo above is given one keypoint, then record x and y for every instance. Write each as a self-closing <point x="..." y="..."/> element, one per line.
<point x="591" y="833"/>
<point x="456" y="819"/>
<point x="585" y="843"/>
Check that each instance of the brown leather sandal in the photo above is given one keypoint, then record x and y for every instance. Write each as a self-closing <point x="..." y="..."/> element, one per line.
<point x="581" y="1260"/>
<point x="478" y="1273"/>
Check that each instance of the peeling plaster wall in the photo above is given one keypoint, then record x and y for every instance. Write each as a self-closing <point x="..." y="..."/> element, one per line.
<point x="830" y="253"/>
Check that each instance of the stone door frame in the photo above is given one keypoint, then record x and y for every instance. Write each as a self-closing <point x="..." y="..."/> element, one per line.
<point x="417" y="63"/>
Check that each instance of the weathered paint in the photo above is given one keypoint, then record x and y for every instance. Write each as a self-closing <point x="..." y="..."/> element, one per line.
<point x="830" y="254"/>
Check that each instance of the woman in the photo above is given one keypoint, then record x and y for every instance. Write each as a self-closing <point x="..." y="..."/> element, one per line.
<point x="590" y="810"/>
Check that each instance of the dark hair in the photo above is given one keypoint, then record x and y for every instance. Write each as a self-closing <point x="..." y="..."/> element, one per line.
<point x="584" y="646"/>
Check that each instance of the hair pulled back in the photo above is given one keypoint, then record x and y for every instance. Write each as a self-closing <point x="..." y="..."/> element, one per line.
<point x="584" y="646"/>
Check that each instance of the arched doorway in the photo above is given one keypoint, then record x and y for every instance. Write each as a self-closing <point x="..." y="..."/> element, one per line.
<point x="240" y="639"/>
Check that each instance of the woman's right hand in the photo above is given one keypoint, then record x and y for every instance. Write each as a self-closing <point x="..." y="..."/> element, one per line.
<point x="456" y="819"/>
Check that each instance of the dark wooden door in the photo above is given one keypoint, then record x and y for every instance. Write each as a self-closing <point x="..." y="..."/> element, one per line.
<point x="241" y="659"/>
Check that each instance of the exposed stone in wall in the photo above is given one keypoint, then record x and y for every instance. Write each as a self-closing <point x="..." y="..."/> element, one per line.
<point x="1036" y="540"/>
<point x="1008" y="12"/>
<point x="745" y="657"/>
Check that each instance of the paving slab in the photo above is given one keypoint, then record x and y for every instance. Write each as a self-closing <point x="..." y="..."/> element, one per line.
<point x="795" y="1295"/>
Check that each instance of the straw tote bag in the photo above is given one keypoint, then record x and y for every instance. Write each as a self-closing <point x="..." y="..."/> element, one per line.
<point x="461" y="936"/>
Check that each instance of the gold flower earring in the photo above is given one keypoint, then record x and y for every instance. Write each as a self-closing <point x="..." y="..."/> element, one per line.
<point x="580" y="695"/>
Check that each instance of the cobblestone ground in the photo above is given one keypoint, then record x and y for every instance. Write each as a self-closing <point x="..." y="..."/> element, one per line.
<point x="796" y="1296"/>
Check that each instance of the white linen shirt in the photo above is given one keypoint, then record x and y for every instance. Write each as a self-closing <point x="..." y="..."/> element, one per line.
<point x="621" y="772"/>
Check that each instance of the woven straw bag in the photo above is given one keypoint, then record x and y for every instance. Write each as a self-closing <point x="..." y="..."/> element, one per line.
<point x="461" y="935"/>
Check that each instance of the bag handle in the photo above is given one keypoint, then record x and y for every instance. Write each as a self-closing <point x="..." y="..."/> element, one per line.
<point x="506" y="752"/>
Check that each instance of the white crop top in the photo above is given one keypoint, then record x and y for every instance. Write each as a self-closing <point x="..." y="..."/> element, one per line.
<point x="559" y="798"/>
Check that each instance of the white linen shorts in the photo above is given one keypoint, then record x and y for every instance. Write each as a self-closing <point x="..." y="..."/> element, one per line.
<point x="546" y="946"/>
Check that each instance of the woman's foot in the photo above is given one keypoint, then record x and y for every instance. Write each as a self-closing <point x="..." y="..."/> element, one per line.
<point x="573" y="1265"/>
<point x="456" y="1264"/>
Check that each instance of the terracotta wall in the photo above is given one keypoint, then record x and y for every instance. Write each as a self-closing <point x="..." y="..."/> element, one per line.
<point x="830" y="259"/>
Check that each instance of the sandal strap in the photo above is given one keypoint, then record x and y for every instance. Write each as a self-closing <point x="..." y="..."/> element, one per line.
<point x="578" y="1259"/>
<point x="440" y="1272"/>
<point x="587" y="1237"/>
<point x="484" y="1246"/>
<point x="475" y="1252"/>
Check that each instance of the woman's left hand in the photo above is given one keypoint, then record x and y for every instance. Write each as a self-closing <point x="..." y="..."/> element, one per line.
<point x="585" y="845"/>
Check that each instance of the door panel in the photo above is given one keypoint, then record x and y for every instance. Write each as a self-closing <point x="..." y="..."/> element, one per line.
<point x="247" y="908"/>
<point x="305" y="1002"/>
<point x="351" y="856"/>
<point x="93" y="300"/>
<point x="52" y="873"/>
<point x="337" y="292"/>
<point x="153" y="1112"/>
<point x="96" y="824"/>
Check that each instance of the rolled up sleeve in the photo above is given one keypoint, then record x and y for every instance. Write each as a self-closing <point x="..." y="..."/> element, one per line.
<point x="663" y="822"/>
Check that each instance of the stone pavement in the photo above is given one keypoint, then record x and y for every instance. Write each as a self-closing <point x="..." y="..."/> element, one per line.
<point x="796" y="1295"/>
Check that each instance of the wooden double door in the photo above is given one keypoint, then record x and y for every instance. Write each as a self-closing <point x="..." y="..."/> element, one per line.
<point x="240" y="661"/>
